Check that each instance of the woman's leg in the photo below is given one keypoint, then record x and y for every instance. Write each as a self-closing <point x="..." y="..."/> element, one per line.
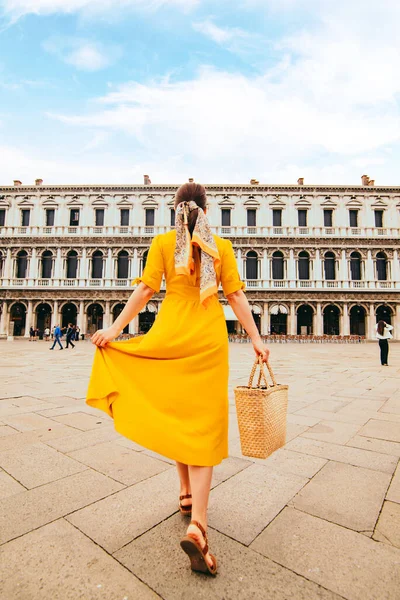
<point x="200" y="482"/>
<point x="382" y="352"/>
<point x="385" y="351"/>
<point x="183" y="473"/>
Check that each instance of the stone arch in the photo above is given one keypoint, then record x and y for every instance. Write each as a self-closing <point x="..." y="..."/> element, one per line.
<point x="18" y="310"/>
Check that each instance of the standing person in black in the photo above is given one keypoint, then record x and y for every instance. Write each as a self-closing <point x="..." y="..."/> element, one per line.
<point x="70" y="335"/>
<point x="383" y="334"/>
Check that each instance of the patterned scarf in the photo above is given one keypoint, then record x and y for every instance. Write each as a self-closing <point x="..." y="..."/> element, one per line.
<point x="201" y="237"/>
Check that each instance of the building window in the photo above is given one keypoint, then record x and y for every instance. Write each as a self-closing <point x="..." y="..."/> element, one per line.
<point x="355" y="266"/>
<point x="25" y="216"/>
<point x="251" y="265"/>
<point x="330" y="266"/>
<point x="99" y="217"/>
<point x="149" y="217"/>
<point x="124" y="217"/>
<point x="328" y="217"/>
<point x="74" y="217"/>
<point x="251" y="217"/>
<point x="50" y="212"/>
<point x="72" y="264"/>
<point x="353" y="217"/>
<point x="379" y="218"/>
<point x="304" y="265"/>
<point x="22" y="264"/>
<point x="2" y="217"/>
<point x="97" y="265"/>
<point x="277" y="265"/>
<point x="277" y="217"/>
<point x="302" y="218"/>
<point x="172" y="217"/>
<point x="47" y="264"/>
<point x="226" y="217"/>
<point x="123" y="265"/>
<point x="381" y="266"/>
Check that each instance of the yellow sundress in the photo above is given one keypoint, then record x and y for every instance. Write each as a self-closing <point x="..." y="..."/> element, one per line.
<point x="167" y="390"/>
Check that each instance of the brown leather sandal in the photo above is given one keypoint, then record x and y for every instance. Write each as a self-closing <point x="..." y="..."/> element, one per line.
<point x="197" y="554"/>
<point x="185" y="510"/>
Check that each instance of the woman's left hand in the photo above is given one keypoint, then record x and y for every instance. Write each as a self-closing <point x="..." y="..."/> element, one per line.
<point x="103" y="336"/>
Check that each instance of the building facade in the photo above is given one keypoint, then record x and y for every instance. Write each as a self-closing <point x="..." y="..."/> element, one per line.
<point x="315" y="259"/>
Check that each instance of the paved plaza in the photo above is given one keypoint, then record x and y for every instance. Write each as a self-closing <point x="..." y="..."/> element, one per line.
<point x="87" y="514"/>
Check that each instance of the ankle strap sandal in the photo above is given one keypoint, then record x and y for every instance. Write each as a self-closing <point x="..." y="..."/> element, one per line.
<point x="185" y="510"/>
<point x="197" y="554"/>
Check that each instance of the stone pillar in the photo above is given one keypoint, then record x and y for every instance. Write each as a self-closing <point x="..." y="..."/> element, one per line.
<point x="343" y="268"/>
<point x="135" y="264"/>
<point x="371" y="322"/>
<point x="106" y="320"/>
<point x="134" y="325"/>
<point x="319" y="323"/>
<point x="396" y="267"/>
<point x="240" y="264"/>
<point x="396" y="324"/>
<point x="54" y="314"/>
<point x="264" y="319"/>
<point x="33" y="272"/>
<point x="8" y="269"/>
<point x="292" y="319"/>
<point x="109" y="269"/>
<point x="291" y="267"/>
<point x="4" y="319"/>
<point x="81" y="317"/>
<point x="28" y="320"/>
<point x="265" y="275"/>
<point x="369" y="267"/>
<point x="317" y="275"/>
<point x="57" y="265"/>
<point x="83" y="274"/>
<point x="345" y="329"/>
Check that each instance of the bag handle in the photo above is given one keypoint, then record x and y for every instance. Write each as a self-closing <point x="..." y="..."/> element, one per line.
<point x="259" y="362"/>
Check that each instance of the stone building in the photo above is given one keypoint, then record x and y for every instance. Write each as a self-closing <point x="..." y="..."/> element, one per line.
<point x="316" y="259"/>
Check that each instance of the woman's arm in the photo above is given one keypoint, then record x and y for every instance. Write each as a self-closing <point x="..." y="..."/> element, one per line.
<point x="389" y="327"/>
<point x="241" y="308"/>
<point x="136" y="302"/>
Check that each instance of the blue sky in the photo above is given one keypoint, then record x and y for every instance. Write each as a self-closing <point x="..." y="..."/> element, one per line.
<point x="103" y="91"/>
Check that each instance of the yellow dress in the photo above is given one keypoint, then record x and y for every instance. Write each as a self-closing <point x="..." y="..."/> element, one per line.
<point x="168" y="389"/>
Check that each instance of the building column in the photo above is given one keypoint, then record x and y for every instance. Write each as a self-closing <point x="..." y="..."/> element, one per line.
<point x="343" y="269"/>
<point x="369" y="267"/>
<point x="134" y="326"/>
<point x="109" y="269"/>
<point x="240" y="264"/>
<point x="106" y="319"/>
<point x="264" y="319"/>
<point x="81" y="318"/>
<point x="54" y="314"/>
<point x="33" y="272"/>
<point x="135" y="264"/>
<point x="83" y="265"/>
<point x="345" y="329"/>
<point x="396" y="323"/>
<point x="8" y="268"/>
<point x="395" y="267"/>
<point x="317" y="275"/>
<point x="319" y="323"/>
<point x="292" y="319"/>
<point x="57" y="265"/>
<point x="4" y="319"/>
<point x="265" y="270"/>
<point x="28" y="320"/>
<point x="371" y="322"/>
<point x="291" y="268"/>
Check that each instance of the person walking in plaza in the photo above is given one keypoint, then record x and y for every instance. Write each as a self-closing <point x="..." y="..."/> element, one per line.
<point x="383" y="334"/>
<point x="46" y="333"/>
<point x="70" y="335"/>
<point x="57" y="337"/>
<point x="167" y="390"/>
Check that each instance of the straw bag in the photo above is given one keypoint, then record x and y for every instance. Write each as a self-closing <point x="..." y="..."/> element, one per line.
<point x="261" y="413"/>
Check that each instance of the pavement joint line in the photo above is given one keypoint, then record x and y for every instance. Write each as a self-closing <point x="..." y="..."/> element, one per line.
<point x="15" y="479"/>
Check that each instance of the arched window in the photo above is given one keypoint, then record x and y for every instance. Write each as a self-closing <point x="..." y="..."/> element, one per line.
<point x="97" y="265"/>
<point x="251" y="265"/>
<point x="355" y="266"/>
<point x="123" y="265"/>
<point x="381" y="266"/>
<point x="304" y="265"/>
<point x="72" y="264"/>
<point x="47" y="264"/>
<point x="22" y="264"/>
<point x="144" y="259"/>
<point x="277" y="265"/>
<point x="330" y="266"/>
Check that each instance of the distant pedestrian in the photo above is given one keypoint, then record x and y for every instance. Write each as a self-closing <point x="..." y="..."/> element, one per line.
<point x="77" y="331"/>
<point x="57" y="335"/>
<point x="52" y="331"/>
<point x="46" y="333"/>
<point x="31" y="334"/>
<point x="383" y="334"/>
<point x="70" y="335"/>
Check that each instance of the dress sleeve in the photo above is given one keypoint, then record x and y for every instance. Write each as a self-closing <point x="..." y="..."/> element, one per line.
<point x="154" y="269"/>
<point x="230" y="278"/>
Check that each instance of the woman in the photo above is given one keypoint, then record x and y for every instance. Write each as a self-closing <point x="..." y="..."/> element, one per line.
<point x="383" y="334"/>
<point x="168" y="390"/>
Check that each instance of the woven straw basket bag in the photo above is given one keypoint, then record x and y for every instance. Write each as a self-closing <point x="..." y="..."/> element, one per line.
<point x="261" y="413"/>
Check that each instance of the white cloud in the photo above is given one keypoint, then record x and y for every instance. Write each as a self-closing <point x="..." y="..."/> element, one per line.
<point x="220" y="35"/>
<point x="15" y="9"/>
<point x="85" y="55"/>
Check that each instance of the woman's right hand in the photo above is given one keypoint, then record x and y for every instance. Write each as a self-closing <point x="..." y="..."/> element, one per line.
<point x="261" y="349"/>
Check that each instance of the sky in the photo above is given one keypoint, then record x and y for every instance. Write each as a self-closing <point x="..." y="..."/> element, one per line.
<point x="105" y="91"/>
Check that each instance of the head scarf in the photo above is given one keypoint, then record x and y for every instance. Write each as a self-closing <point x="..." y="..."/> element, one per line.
<point x="201" y="237"/>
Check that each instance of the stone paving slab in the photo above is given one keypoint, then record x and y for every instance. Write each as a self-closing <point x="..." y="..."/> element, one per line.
<point x="20" y="439"/>
<point x="7" y="430"/>
<point x="38" y="464"/>
<point x="383" y="430"/>
<point x="85" y="439"/>
<point x="346" y="495"/>
<point x="394" y="490"/>
<point x="75" y="568"/>
<point x="82" y="421"/>
<point x="28" y="510"/>
<point x="8" y="485"/>
<point x="349" y="564"/>
<point x="388" y="527"/>
<point x="379" y="446"/>
<point x="157" y="559"/>
<point x="332" y="431"/>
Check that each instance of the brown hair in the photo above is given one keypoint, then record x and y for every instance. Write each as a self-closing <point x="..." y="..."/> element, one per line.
<point x="381" y="327"/>
<point x="195" y="192"/>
